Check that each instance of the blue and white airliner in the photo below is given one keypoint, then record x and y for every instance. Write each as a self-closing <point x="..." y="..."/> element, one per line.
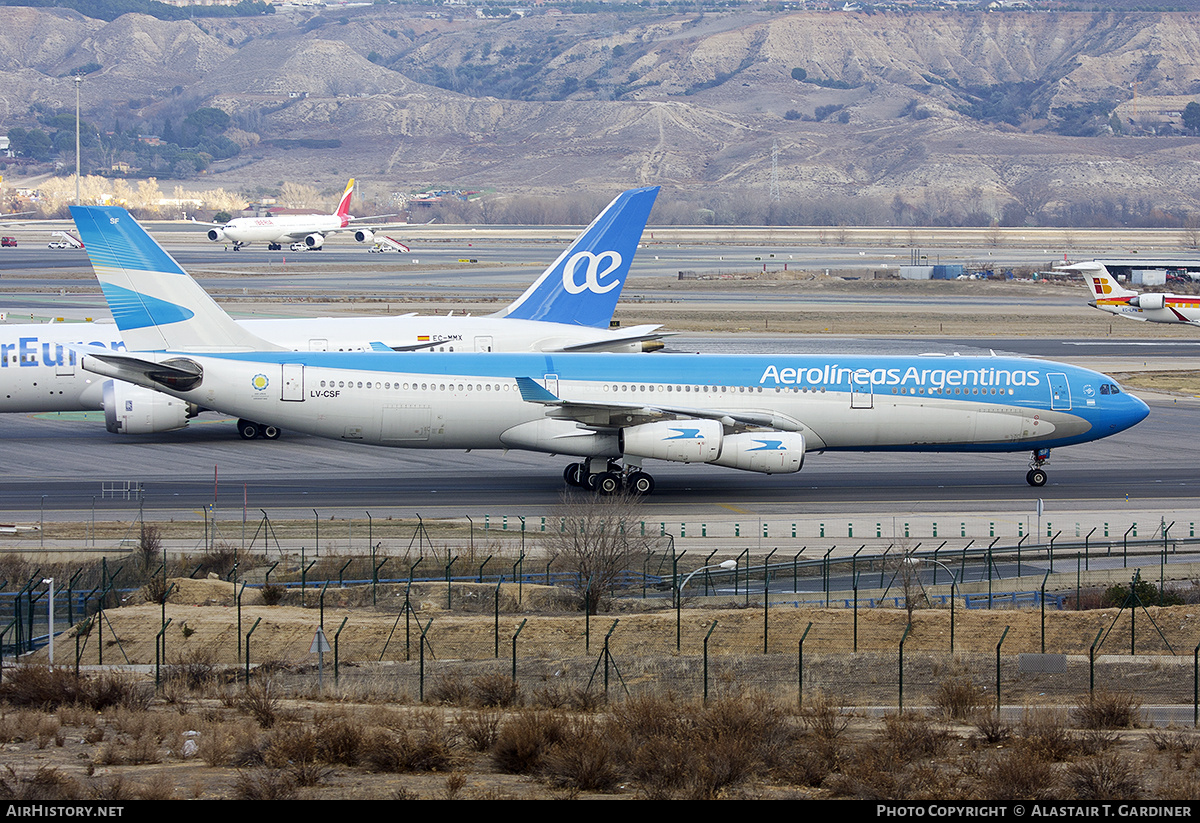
<point x="611" y="411"/>
<point x="568" y="308"/>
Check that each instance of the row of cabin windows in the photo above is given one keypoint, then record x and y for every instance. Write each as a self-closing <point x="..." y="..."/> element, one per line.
<point x="488" y="387"/>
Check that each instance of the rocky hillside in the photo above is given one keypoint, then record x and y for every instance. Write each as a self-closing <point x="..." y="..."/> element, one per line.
<point x="858" y="117"/>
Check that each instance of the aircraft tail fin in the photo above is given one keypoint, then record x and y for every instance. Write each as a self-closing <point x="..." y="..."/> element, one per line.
<point x="155" y="303"/>
<point x="343" y="209"/>
<point x="583" y="285"/>
<point x="1102" y="284"/>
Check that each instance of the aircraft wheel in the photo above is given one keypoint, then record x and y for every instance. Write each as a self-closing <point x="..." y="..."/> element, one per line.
<point x="608" y="483"/>
<point x="247" y="430"/>
<point x="640" y="483"/>
<point x="1036" y="477"/>
<point x="571" y="474"/>
<point x="589" y="480"/>
<point x="269" y="432"/>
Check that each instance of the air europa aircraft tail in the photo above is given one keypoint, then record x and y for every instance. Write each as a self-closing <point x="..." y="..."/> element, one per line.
<point x="583" y="285"/>
<point x="155" y="303"/>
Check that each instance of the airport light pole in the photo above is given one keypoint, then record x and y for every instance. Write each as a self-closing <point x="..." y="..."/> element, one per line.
<point x="78" y="83"/>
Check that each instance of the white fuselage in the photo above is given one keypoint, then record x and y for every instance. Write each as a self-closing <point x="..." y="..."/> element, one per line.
<point x="855" y="402"/>
<point x="283" y="229"/>
<point x="40" y="373"/>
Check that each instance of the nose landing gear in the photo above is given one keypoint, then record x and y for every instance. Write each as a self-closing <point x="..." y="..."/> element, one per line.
<point x="1036" y="475"/>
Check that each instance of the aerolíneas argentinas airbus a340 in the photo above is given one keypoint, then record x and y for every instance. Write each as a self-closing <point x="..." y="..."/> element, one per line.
<point x="568" y="308"/>
<point x="1153" y="307"/>
<point x="756" y="413"/>
<point x="306" y="231"/>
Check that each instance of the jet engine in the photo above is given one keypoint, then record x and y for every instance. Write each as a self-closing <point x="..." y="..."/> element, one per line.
<point x="768" y="452"/>
<point x="364" y="235"/>
<point x="1149" y="302"/>
<point x="216" y="235"/>
<point x="131" y="409"/>
<point x="684" y="441"/>
<point x="314" y="241"/>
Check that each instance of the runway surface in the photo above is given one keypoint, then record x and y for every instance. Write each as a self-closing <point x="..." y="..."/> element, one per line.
<point x="59" y="464"/>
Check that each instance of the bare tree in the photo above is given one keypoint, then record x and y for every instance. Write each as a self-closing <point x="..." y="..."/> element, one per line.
<point x="598" y="539"/>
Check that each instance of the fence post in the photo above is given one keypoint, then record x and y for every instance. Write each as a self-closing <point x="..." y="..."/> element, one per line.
<point x="800" y="668"/>
<point x="708" y="635"/>
<point x="998" y="645"/>
<point x="907" y="629"/>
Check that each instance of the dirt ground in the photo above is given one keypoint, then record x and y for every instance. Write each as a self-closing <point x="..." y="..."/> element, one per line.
<point x="121" y="754"/>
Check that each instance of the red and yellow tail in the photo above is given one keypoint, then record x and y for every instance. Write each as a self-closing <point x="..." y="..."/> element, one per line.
<point x="343" y="209"/>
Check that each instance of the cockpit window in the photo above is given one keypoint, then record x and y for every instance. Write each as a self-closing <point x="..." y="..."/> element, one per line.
<point x="1109" y="388"/>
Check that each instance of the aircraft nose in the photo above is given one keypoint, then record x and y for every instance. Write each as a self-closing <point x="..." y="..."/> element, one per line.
<point x="1133" y="411"/>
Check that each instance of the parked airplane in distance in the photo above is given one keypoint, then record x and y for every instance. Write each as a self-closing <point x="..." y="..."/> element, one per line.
<point x="306" y="232"/>
<point x="755" y="413"/>
<point x="1152" y="307"/>
<point x="568" y="308"/>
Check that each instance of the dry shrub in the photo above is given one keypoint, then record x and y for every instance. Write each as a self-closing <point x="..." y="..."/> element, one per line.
<point x="117" y="789"/>
<point x="194" y="671"/>
<point x="497" y="690"/>
<point x="1014" y="776"/>
<point x="1174" y="741"/>
<point x="219" y="560"/>
<point x="264" y="784"/>
<point x="589" y="758"/>
<point x="914" y="735"/>
<point x="958" y="698"/>
<point x="526" y="738"/>
<point x="158" y="787"/>
<point x="215" y="745"/>
<point x="424" y="746"/>
<point x="272" y="594"/>
<point x="825" y="717"/>
<point x="260" y="700"/>
<point x="1106" y="777"/>
<point x="559" y="697"/>
<point x="1043" y="734"/>
<point x="1108" y="710"/>
<point x="479" y="728"/>
<point x="293" y="743"/>
<point x="450" y="690"/>
<point x="44" y="784"/>
<point x="992" y="728"/>
<point x="44" y="687"/>
<point x="339" y="739"/>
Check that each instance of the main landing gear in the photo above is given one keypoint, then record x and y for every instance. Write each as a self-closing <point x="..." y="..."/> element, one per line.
<point x="1037" y="475"/>
<point x="613" y="480"/>
<point x="248" y="430"/>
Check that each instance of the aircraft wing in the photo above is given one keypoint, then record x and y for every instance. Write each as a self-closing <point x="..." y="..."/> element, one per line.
<point x="634" y="334"/>
<point x="176" y="372"/>
<point x="614" y="415"/>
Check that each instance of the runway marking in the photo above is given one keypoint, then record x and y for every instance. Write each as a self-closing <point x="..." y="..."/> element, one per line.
<point x="734" y="509"/>
<point x="1159" y="344"/>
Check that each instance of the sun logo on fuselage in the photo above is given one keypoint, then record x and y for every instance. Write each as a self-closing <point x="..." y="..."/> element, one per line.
<point x="259" y="382"/>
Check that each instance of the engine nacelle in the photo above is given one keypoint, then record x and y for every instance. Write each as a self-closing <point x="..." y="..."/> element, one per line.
<point x="1149" y="302"/>
<point x="364" y="235"/>
<point x="216" y="235"/>
<point x="767" y="452"/>
<point x="130" y="409"/>
<point x="683" y="441"/>
<point x="560" y="437"/>
<point x="314" y="240"/>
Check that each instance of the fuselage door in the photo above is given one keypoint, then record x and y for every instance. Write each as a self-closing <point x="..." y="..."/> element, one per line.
<point x="293" y="381"/>
<point x="483" y="343"/>
<point x="318" y="344"/>
<point x="1060" y="392"/>
<point x="861" y="396"/>
<point x="551" y="384"/>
